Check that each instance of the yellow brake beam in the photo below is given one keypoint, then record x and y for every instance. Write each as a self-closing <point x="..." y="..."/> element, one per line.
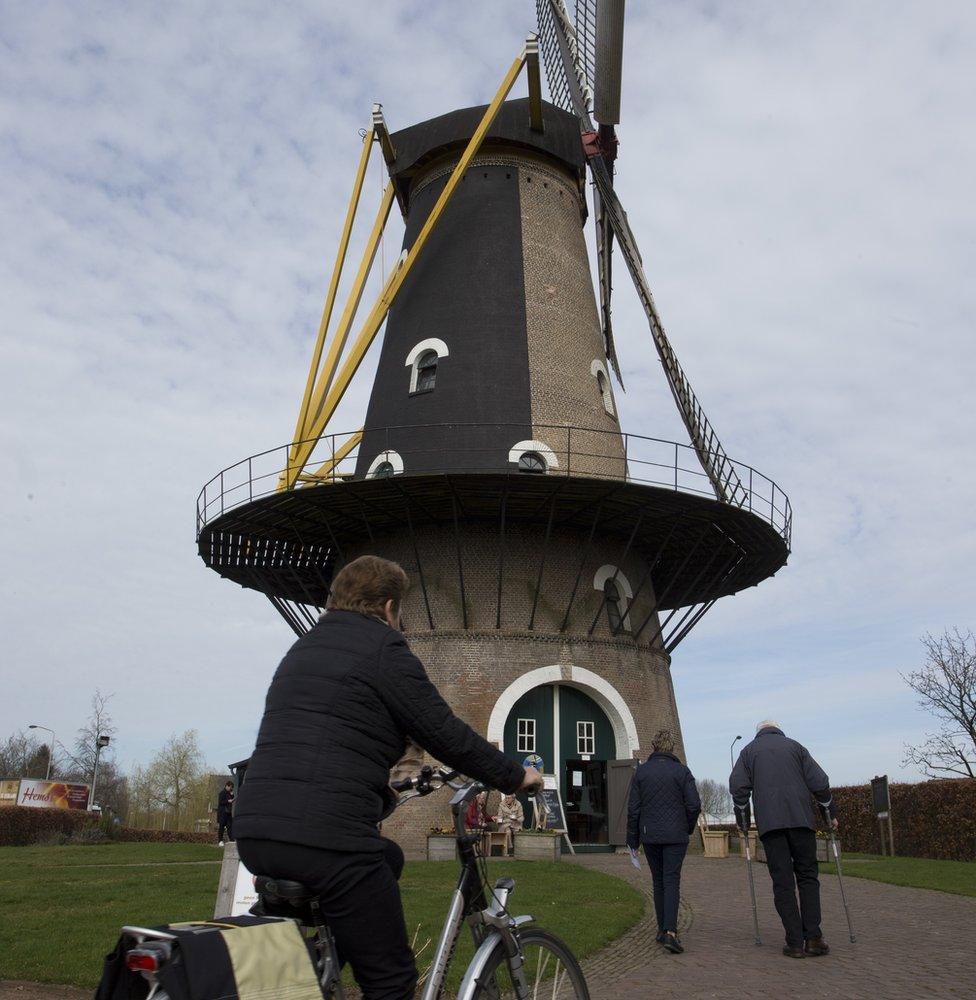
<point x="322" y="405"/>
<point x="334" y="284"/>
<point x="352" y="305"/>
<point x="326" y="471"/>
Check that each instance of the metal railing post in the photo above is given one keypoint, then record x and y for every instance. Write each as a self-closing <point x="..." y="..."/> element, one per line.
<point x="250" y="480"/>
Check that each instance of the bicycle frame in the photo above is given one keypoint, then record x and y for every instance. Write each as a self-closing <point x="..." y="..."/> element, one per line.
<point x="489" y="922"/>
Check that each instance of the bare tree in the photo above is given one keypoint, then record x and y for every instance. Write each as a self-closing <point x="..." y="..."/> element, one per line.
<point x="175" y="772"/>
<point x="99" y="723"/>
<point x="946" y="685"/>
<point x="24" y="756"/>
<point x="715" y="799"/>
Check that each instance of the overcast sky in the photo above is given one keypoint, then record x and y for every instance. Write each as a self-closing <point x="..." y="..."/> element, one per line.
<point x="799" y="176"/>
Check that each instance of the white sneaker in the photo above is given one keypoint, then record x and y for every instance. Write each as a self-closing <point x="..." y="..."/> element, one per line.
<point x="220" y="844"/>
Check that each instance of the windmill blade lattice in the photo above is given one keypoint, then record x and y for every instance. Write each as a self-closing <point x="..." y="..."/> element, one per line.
<point x="559" y="43"/>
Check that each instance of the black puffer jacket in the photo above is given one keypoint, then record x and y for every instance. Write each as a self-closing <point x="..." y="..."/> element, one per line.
<point x="663" y="804"/>
<point x="781" y="776"/>
<point x="335" y="721"/>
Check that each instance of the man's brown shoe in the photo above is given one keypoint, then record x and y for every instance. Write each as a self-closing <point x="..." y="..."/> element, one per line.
<point x="791" y="952"/>
<point x="816" y="946"/>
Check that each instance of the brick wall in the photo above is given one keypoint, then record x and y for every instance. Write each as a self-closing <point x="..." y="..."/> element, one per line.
<point x="563" y="326"/>
<point x="473" y="666"/>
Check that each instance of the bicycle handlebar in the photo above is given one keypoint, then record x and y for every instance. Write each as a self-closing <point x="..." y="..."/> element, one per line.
<point x="423" y="783"/>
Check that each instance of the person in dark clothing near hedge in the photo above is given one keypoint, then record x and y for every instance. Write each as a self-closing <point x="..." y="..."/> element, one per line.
<point x="661" y="814"/>
<point x="336" y="720"/>
<point x="225" y="809"/>
<point x="783" y="780"/>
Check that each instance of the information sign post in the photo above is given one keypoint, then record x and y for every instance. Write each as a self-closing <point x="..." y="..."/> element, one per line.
<point x="881" y="800"/>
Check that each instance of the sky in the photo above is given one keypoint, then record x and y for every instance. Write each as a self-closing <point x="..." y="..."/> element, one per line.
<point x="800" y="180"/>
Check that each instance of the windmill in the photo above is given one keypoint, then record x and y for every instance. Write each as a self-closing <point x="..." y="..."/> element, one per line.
<point x="557" y="560"/>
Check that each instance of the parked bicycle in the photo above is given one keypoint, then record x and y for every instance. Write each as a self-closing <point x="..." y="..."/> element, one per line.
<point x="513" y="957"/>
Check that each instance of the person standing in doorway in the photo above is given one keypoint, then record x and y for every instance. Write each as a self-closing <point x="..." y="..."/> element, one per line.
<point x="661" y="814"/>
<point x="225" y="810"/>
<point x="783" y="779"/>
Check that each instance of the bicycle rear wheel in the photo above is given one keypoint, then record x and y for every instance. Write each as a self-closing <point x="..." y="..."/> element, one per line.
<point x="551" y="970"/>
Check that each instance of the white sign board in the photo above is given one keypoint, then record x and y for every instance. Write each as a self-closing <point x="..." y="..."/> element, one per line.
<point x="245" y="895"/>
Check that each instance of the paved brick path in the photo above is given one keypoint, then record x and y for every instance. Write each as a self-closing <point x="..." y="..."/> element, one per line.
<point x="910" y="942"/>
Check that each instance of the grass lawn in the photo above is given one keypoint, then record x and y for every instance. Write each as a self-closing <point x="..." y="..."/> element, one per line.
<point x="61" y="907"/>
<point x="922" y="873"/>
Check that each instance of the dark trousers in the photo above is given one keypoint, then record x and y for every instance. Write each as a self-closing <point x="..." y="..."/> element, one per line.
<point x="360" y="901"/>
<point x="791" y="856"/>
<point x="224" y="825"/>
<point x="665" y="861"/>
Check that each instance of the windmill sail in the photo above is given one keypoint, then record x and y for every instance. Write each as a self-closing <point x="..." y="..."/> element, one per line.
<point x="568" y="85"/>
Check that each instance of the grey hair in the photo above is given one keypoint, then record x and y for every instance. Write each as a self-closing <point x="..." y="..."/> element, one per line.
<point x="767" y="724"/>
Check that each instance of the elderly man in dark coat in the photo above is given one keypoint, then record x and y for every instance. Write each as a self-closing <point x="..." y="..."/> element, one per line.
<point x="783" y="780"/>
<point x="661" y="814"/>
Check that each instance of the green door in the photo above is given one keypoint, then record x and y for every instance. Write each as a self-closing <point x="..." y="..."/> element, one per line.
<point x="529" y="730"/>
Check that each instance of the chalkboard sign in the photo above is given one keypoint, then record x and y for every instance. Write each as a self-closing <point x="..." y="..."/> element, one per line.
<point x="554" y="811"/>
<point x="555" y="818"/>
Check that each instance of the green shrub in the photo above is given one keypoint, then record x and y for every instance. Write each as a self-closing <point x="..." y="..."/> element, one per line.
<point x="931" y="819"/>
<point x="22" y="825"/>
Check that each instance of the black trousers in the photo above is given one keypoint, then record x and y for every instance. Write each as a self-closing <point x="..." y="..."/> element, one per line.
<point x="360" y="900"/>
<point x="791" y="856"/>
<point x="665" y="861"/>
<point x="224" y="825"/>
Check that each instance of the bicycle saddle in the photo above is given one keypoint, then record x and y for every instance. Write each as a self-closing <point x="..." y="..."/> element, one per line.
<point x="294" y="892"/>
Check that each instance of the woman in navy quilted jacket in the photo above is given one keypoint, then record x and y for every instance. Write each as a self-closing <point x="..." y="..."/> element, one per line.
<point x="661" y="814"/>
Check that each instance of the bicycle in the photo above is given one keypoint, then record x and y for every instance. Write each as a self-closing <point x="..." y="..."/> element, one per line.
<point x="513" y="957"/>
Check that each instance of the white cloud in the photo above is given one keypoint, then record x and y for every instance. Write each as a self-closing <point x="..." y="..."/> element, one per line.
<point x="174" y="181"/>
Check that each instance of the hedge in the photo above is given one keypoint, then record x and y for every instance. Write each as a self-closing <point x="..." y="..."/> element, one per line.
<point x="931" y="819"/>
<point x="22" y="825"/>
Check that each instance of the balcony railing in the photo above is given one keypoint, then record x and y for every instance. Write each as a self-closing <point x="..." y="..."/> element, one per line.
<point x="577" y="451"/>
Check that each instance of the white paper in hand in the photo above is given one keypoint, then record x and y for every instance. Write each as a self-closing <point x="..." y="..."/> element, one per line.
<point x="634" y="858"/>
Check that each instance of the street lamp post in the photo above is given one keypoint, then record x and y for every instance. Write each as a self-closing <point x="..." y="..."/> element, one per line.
<point x="731" y="759"/>
<point x="100" y="741"/>
<point x="50" y="749"/>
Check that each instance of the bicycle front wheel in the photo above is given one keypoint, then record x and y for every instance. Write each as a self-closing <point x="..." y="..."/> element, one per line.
<point x="550" y="968"/>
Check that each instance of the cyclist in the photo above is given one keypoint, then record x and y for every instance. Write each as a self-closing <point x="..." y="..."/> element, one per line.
<point x="336" y="720"/>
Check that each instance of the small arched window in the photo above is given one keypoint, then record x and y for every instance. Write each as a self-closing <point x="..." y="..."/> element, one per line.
<point x="611" y="593"/>
<point x="532" y="461"/>
<point x="599" y="372"/>
<point x="426" y="371"/>
<point x="422" y="362"/>
<point x="386" y="464"/>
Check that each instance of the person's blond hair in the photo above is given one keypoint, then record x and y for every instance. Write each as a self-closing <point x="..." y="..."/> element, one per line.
<point x="663" y="741"/>
<point x="366" y="584"/>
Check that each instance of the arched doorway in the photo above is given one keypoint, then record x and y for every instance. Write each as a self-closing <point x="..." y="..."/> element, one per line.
<point x="562" y="731"/>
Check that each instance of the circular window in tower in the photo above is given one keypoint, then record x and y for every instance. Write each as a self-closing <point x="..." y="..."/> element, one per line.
<point x="532" y="461"/>
<point x="384" y="470"/>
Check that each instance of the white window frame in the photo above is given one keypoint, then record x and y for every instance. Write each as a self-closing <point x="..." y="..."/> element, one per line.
<point x="525" y="736"/>
<point x="434" y="344"/>
<point x="608" y="572"/>
<point x="585" y="738"/>
<point x="392" y="457"/>
<point x="540" y="448"/>
<point x="599" y="368"/>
